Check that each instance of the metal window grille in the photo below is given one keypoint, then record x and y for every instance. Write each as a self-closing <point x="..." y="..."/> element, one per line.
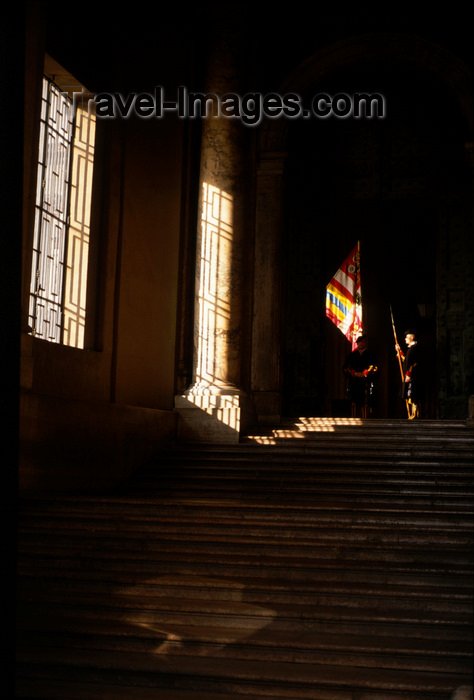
<point x="51" y="214"/>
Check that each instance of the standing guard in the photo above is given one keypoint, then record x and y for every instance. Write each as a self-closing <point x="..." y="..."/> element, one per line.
<point x="360" y="367"/>
<point x="412" y="384"/>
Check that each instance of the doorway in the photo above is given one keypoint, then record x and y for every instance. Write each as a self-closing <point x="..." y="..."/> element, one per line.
<point x="379" y="182"/>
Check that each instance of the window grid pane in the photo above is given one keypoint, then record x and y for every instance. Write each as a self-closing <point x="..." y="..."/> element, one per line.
<point x="49" y="247"/>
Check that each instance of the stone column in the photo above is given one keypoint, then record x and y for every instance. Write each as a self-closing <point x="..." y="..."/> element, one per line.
<point x="214" y="408"/>
<point x="266" y="332"/>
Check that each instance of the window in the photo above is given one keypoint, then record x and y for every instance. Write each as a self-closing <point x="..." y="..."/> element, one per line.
<point x="57" y="307"/>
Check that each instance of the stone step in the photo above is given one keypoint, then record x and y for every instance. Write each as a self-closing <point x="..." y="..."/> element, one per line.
<point x="272" y="561"/>
<point x="380" y="531"/>
<point x="412" y="590"/>
<point x="378" y="423"/>
<point x="301" y="647"/>
<point x="360" y="441"/>
<point x="226" y="486"/>
<point x="330" y="574"/>
<point x="440" y="485"/>
<point x="294" y="614"/>
<point x="377" y="431"/>
<point x="248" y="677"/>
<point x="203" y="531"/>
<point x="260" y="519"/>
<point x="402" y="474"/>
<point x="311" y="489"/>
<point x="323" y="459"/>
<point x="387" y="450"/>
<point x="270" y="552"/>
<point x="320" y="456"/>
<point x="298" y="571"/>
<point x="320" y="451"/>
<point x="169" y="622"/>
<point x="230" y="513"/>
<point x="127" y="635"/>
<point x="51" y="588"/>
<point x="351" y="500"/>
<point x="394" y="427"/>
<point x="285" y="513"/>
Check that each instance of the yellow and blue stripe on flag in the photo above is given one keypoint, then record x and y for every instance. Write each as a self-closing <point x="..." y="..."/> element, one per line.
<point x="343" y="297"/>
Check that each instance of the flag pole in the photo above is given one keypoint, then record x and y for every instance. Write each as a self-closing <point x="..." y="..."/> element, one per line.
<point x="396" y="343"/>
<point x="358" y="299"/>
<point x="398" y="355"/>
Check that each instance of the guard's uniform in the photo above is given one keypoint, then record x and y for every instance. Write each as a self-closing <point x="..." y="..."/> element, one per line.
<point x="412" y="389"/>
<point x="361" y="389"/>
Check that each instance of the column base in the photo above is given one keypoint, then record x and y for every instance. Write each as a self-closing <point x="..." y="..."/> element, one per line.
<point x="267" y="406"/>
<point x="212" y="417"/>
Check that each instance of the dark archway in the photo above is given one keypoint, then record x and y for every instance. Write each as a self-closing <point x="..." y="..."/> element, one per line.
<point x="379" y="182"/>
<point x="384" y="182"/>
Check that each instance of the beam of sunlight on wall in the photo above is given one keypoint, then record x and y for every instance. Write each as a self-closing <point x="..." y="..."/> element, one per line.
<point x="214" y="289"/>
<point x="75" y="287"/>
<point x="214" y="408"/>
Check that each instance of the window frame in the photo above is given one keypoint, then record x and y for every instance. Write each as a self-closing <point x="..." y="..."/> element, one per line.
<point x="56" y="80"/>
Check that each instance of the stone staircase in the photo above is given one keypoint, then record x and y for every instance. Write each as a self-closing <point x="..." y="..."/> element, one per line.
<point x="328" y="559"/>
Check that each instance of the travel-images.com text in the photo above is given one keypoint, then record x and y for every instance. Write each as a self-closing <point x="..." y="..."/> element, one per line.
<point x="250" y="108"/>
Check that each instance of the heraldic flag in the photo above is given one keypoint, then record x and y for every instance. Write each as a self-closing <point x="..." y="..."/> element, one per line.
<point x="343" y="297"/>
